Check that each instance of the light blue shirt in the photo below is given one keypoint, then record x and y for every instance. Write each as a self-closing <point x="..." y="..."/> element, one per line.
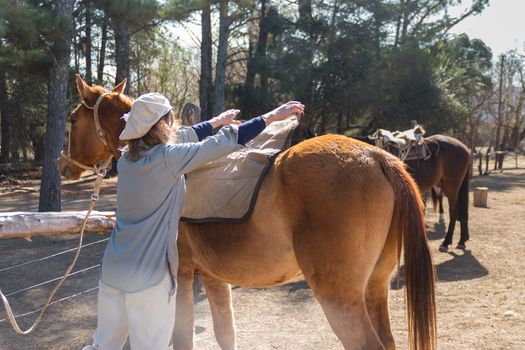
<point x="150" y="199"/>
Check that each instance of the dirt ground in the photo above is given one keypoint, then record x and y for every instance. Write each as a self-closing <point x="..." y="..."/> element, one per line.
<point x="480" y="292"/>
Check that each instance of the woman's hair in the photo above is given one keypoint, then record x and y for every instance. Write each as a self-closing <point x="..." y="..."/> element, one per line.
<point x="159" y="133"/>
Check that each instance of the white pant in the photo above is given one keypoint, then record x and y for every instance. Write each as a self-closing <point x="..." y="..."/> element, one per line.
<point x="147" y="316"/>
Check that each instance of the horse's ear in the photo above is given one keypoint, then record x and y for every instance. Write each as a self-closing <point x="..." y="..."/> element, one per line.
<point x="120" y="87"/>
<point x="83" y="88"/>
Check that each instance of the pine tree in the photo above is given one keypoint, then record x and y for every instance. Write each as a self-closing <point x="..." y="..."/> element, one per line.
<point x="57" y="104"/>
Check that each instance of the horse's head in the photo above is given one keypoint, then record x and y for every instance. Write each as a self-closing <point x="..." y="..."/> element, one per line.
<point x="87" y="144"/>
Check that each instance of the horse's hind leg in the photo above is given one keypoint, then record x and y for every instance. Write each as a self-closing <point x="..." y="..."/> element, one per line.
<point x="451" y="190"/>
<point x="338" y="269"/>
<point x="220" y="299"/>
<point x="464" y="234"/>
<point x="377" y="294"/>
<point x="349" y="320"/>
<point x="441" y="211"/>
<point x="463" y="211"/>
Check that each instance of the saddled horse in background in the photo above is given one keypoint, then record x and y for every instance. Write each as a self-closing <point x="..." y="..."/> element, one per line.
<point x="331" y="210"/>
<point x="447" y="168"/>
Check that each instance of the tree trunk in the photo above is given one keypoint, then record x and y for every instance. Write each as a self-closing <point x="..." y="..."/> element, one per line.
<point x="256" y="65"/>
<point x="206" y="80"/>
<point x="262" y="68"/>
<point x="88" y="78"/>
<point x="249" y="82"/>
<point x="376" y="13"/>
<point x="397" y="38"/>
<point x="405" y="21"/>
<point x="305" y="10"/>
<point x="487" y="154"/>
<point x="222" y="56"/>
<point x="102" y="52"/>
<point x="4" y="121"/>
<point x="521" y="135"/>
<point x="499" y="121"/>
<point x="56" y="104"/>
<point x="122" y="53"/>
<point x="307" y="22"/>
<point x="122" y="58"/>
<point x="76" y="51"/>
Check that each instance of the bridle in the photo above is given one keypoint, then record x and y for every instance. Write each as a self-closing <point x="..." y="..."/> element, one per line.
<point x="101" y="166"/>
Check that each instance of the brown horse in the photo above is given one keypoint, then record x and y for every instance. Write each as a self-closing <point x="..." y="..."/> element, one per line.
<point x="447" y="168"/>
<point x="334" y="211"/>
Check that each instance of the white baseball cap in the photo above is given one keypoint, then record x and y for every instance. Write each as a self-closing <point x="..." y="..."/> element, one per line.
<point x="145" y="111"/>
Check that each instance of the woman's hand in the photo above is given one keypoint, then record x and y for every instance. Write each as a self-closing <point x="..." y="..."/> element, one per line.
<point x="225" y="118"/>
<point x="284" y="111"/>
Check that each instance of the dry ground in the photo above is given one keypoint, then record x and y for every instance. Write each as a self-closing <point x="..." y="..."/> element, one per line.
<point x="480" y="293"/>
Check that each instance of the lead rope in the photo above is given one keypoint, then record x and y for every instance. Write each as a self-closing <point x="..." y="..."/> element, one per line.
<point x="100" y="172"/>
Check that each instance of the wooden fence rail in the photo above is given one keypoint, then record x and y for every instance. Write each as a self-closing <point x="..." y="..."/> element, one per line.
<point x="31" y="224"/>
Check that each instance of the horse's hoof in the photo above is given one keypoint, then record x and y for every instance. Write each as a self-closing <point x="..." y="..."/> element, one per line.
<point x="443" y="248"/>
<point x="460" y="246"/>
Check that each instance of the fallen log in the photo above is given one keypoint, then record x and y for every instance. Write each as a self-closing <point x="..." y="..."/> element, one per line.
<point x="31" y="224"/>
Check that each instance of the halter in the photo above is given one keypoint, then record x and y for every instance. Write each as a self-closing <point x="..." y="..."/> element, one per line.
<point x="101" y="135"/>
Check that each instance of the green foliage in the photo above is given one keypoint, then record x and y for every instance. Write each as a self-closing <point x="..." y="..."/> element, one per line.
<point x="25" y="29"/>
<point x="357" y="65"/>
<point x="27" y="106"/>
<point x="181" y="9"/>
<point x="463" y="74"/>
<point x="130" y="13"/>
<point x="371" y="64"/>
<point x="26" y="33"/>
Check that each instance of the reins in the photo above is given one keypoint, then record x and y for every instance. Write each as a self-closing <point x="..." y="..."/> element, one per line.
<point x="100" y="171"/>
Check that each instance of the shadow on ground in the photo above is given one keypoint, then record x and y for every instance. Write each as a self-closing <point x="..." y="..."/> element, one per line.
<point x="462" y="267"/>
<point x="436" y="231"/>
<point x="505" y="181"/>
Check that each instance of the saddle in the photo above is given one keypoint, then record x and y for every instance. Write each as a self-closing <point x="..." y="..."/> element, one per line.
<point x="406" y="145"/>
<point x="226" y="189"/>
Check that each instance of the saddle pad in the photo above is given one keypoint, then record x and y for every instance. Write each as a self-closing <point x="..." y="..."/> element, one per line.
<point x="225" y="190"/>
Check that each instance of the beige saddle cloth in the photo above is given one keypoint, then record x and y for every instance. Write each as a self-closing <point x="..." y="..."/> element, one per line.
<point x="407" y="145"/>
<point x="225" y="190"/>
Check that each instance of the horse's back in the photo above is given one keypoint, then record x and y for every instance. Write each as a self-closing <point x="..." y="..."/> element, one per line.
<point x="334" y="158"/>
<point x="454" y="154"/>
<point x="449" y="143"/>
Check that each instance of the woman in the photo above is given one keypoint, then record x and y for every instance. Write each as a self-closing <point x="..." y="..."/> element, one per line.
<point x="139" y="268"/>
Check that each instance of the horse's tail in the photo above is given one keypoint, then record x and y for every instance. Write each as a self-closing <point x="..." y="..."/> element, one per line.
<point x="463" y="198"/>
<point x="408" y="224"/>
